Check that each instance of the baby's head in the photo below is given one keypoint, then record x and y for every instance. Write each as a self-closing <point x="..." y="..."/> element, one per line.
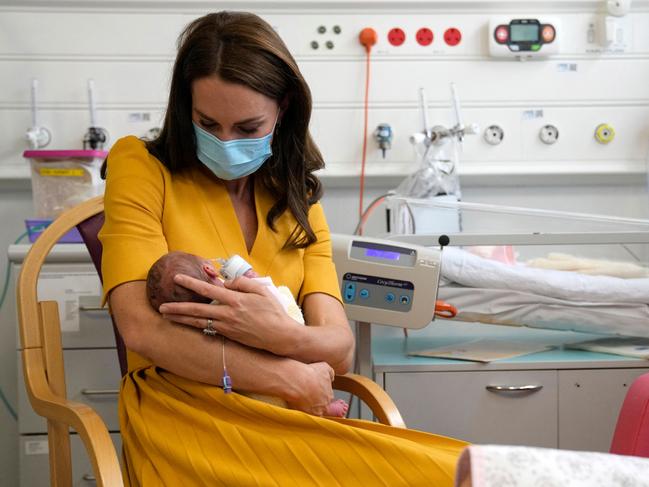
<point x="160" y="285"/>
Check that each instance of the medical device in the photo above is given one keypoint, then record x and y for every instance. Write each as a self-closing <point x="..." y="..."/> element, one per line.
<point x="524" y="37"/>
<point x="96" y="136"/>
<point x="37" y="135"/>
<point x="385" y="282"/>
<point x="383" y="136"/>
<point x="438" y="150"/>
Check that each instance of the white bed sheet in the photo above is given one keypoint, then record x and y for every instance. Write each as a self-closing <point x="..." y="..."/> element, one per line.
<point x="508" y="307"/>
<point x="488" y="291"/>
<point x="466" y="269"/>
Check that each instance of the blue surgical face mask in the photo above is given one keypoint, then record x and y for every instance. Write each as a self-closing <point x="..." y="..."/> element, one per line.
<point x="232" y="159"/>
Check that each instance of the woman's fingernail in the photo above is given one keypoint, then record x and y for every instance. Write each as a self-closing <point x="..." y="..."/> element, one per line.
<point x="162" y="308"/>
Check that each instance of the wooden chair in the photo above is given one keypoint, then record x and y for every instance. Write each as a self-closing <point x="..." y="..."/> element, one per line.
<point x="42" y="359"/>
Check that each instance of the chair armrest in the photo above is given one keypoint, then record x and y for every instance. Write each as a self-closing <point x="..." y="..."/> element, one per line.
<point x="371" y="394"/>
<point x="82" y="418"/>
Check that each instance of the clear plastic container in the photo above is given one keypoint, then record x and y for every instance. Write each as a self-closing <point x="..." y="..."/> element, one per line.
<point x="62" y="179"/>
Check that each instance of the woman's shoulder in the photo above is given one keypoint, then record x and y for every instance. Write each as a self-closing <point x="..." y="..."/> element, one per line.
<point x="128" y="145"/>
<point x="129" y="155"/>
<point x="317" y="216"/>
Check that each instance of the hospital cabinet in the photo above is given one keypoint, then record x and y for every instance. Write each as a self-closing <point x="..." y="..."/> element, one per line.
<point x="560" y="398"/>
<point x="91" y="364"/>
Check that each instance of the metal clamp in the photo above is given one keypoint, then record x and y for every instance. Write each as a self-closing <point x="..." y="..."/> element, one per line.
<point x="100" y="392"/>
<point x="525" y="388"/>
<point x="89" y="478"/>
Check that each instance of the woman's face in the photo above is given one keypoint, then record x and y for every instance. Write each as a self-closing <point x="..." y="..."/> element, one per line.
<point x="230" y="110"/>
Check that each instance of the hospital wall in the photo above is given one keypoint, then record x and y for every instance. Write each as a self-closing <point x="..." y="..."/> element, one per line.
<point x="128" y="47"/>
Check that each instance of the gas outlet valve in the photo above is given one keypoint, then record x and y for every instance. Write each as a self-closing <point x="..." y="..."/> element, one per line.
<point x="549" y="134"/>
<point x="494" y="134"/>
<point x="604" y="133"/>
<point x="383" y="136"/>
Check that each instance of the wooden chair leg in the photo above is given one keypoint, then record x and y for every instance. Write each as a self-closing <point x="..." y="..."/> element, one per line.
<point x="58" y="440"/>
<point x="58" y="434"/>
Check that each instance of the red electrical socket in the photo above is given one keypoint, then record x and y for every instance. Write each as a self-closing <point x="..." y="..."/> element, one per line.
<point x="452" y="36"/>
<point x="396" y="36"/>
<point x="424" y="36"/>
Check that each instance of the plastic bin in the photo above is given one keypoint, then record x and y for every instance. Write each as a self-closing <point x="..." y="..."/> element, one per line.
<point x="36" y="227"/>
<point x="62" y="179"/>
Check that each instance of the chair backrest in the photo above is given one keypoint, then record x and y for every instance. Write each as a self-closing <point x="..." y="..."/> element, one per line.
<point x="631" y="435"/>
<point x="44" y="372"/>
<point x="89" y="230"/>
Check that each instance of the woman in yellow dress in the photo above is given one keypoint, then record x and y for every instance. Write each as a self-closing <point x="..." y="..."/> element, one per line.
<point x="232" y="173"/>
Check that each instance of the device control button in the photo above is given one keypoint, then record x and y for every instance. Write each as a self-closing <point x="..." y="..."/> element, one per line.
<point x="404" y="299"/>
<point x="548" y="33"/>
<point x="350" y="291"/>
<point x="535" y="47"/>
<point x="364" y="293"/>
<point x="515" y="47"/>
<point x="390" y="297"/>
<point x="501" y="34"/>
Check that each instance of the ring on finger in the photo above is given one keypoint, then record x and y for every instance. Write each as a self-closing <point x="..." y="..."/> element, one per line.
<point x="209" y="330"/>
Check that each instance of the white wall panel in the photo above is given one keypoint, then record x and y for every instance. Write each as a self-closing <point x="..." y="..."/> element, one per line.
<point x="392" y="81"/>
<point x="128" y="49"/>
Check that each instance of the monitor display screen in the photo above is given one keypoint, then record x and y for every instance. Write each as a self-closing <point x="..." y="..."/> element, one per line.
<point x="524" y="33"/>
<point x="382" y="254"/>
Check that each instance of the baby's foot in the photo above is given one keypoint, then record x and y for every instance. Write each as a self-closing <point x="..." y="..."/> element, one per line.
<point x="337" y="409"/>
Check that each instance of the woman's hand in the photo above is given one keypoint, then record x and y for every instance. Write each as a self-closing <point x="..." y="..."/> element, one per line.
<point x="247" y="313"/>
<point x="314" y="391"/>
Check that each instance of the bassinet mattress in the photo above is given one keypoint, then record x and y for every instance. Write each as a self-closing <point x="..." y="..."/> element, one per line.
<point x="488" y="291"/>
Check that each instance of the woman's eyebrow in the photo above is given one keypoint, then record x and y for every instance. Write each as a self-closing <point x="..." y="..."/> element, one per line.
<point x="250" y="120"/>
<point x="202" y="115"/>
<point x="258" y="118"/>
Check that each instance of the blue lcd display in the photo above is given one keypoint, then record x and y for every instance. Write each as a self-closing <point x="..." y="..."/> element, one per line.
<point x="382" y="254"/>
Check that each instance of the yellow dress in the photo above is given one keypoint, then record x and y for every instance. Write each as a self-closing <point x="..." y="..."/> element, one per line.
<point x="179" y="432"/>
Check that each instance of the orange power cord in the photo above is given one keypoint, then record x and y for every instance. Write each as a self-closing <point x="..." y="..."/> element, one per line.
<point x="367" y="38"/>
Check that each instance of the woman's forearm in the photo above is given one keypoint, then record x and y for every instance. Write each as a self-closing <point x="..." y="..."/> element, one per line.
<point x="186" y="352"/>
<point x="328" y="338"/>
<point x="189" y="353"/>
<point x="333" y="345"/>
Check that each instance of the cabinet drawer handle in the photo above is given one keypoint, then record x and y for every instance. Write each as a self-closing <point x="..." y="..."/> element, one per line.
<point x="92" y="308"/>
<point x="99" y="392"/>
<point x="89" y="478"/>
<point x="526" y="388"/>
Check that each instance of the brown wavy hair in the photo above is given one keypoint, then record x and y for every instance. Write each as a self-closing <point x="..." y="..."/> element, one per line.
<point x="242" y="48"/>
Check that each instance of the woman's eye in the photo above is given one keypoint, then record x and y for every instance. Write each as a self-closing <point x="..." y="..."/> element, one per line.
<point x="248" y="131"/>
<point x="207" y="125"/>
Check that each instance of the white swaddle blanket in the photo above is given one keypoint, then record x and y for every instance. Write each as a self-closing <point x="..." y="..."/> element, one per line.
<point x="469" y="270"/>
<point x="520" y="466"/>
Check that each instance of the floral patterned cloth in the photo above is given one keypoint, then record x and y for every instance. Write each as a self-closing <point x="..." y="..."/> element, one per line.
<point x="518" y="466"/>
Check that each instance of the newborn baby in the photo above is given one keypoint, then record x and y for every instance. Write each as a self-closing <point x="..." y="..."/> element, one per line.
<point x="161" y="288"/>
